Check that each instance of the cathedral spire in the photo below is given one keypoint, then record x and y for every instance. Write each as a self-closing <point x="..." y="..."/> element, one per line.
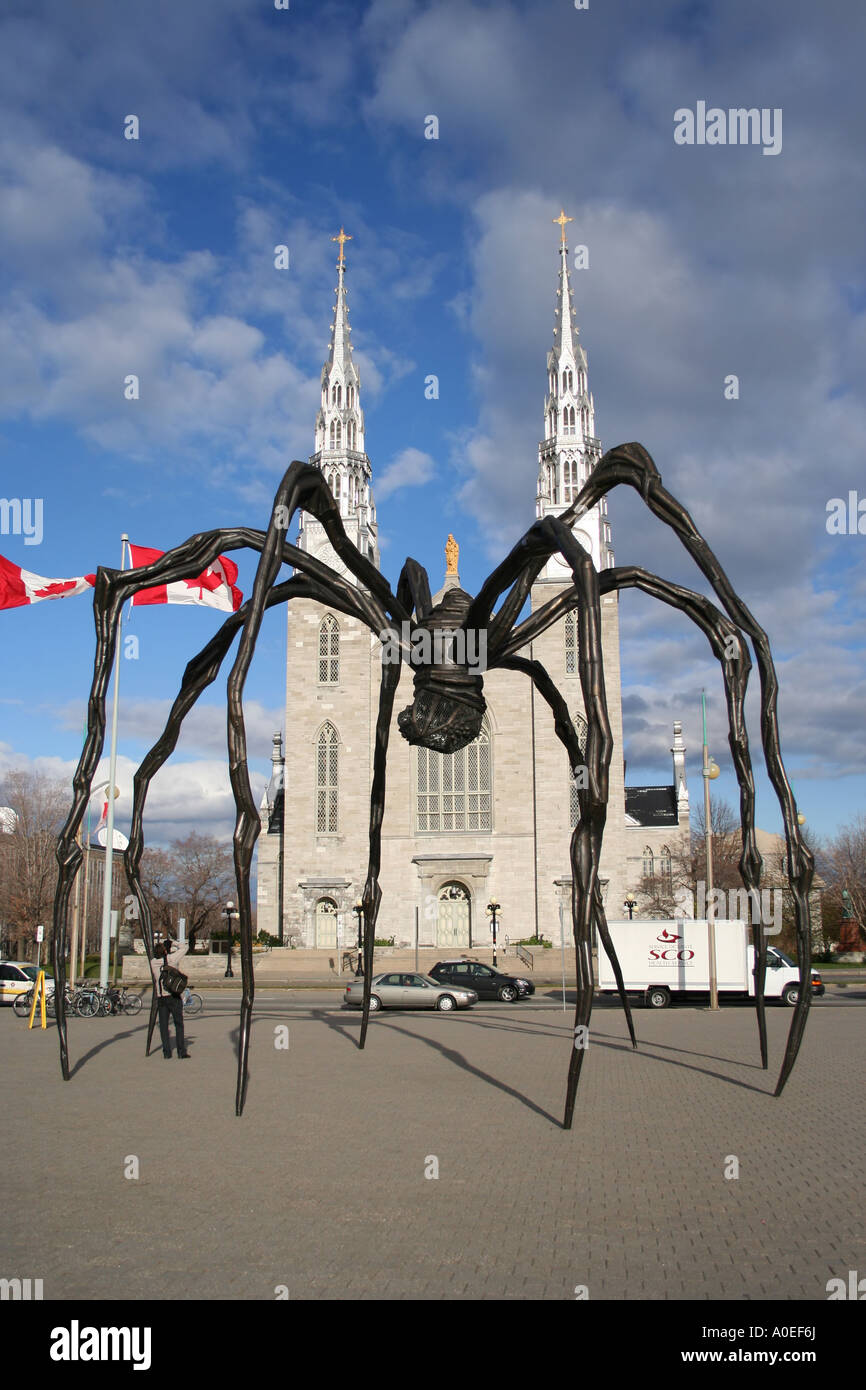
<point x="570" y="450"/>
<point x="340" y="353"/>
<point x="565" y="322"/>
<point x="339" y="441"/>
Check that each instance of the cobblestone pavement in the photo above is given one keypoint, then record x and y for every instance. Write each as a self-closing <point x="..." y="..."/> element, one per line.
<point x="321" y="1185"/>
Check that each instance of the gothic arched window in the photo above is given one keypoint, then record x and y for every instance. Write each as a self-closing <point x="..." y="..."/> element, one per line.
<point x="332" y="437"/>
<point x="581" y="728"/>
<point x="327" y="780"/>
<point x="350" y="396"/>
<point x="329" y="651"/>
<point x="564" y="383"/>
<point x="337" y="394"/>
<point x="648" y="863"/>
<point x="570" y="644"/>
<point x="339" y="434"/>
<point x="455" y="789"/>
<point x="665" y="863"/>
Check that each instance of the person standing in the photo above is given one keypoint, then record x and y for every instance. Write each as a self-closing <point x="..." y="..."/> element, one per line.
<point x="169" y="1005"/>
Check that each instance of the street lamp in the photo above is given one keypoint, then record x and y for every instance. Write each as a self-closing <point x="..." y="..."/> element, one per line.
<point x="709" y="772"/>
<point x="358" y="909"/>
<point x="229" y="911"/>
<point x="630" y="904"/>
<point x="492" y="909"/>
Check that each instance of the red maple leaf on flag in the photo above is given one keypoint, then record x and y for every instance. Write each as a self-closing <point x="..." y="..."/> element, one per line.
<point x="62" y="586"/>
<point x="210" y="580"/>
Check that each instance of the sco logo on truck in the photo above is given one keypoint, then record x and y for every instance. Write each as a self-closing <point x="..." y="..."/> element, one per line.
<point x="671" y="951"/>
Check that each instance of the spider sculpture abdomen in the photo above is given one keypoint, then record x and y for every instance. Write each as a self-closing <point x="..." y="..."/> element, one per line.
<point x="448" y="708"/>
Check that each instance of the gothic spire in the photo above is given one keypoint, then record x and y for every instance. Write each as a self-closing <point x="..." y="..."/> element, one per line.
<point x="569" y="451"/>
<point x="565" y="321"/>
<point x="339" y="441"/>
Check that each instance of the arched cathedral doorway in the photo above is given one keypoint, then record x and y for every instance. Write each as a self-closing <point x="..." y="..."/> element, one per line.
<point x="454" y="923"/>
<point x="326" y="924"/>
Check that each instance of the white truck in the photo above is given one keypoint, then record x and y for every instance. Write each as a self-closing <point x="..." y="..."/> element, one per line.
<point x="661" y="960"/>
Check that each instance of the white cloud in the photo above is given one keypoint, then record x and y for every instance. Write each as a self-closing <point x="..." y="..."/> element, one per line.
<point x="411" y="468"/>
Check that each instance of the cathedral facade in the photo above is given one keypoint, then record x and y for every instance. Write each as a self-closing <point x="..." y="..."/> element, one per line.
<point x="492" y="822"/>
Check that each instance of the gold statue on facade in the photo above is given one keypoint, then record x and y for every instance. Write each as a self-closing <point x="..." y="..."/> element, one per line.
<point x="452" y="551"/>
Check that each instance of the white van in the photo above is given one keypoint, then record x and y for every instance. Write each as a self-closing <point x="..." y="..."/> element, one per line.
<point x="662" y="960"/>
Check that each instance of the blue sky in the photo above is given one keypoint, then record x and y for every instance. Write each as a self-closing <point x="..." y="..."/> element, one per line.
<point x="261" y="127"/>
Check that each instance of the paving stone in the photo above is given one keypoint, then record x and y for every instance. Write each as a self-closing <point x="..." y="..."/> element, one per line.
<point x="320" y="1185"/>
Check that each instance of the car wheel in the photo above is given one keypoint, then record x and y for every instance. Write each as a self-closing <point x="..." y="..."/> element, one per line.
<point x="375" y="1003"/>
<point x="790" y="995"/>
<point x="657" y="997"/>
<point x="508" y="994"/>
<point x="445" y="1004"/>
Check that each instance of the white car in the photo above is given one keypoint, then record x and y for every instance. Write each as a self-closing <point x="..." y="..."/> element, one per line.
<point x="16" y="977"/>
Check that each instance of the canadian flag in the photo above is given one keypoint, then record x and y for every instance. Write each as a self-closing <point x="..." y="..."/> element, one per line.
<point x="103" y="819"/>
<point x="19" y="587"/>
<point x="215" y="587"/>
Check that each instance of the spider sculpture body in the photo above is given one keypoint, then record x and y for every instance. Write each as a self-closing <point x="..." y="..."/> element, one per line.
<point x="448" y="707"/>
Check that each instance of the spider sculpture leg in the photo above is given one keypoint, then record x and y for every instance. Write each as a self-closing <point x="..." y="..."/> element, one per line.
<point x="730" y="648"/>
<point x="199" y="674"/>
<point x="630" y="463"/>
<point x="543" y="539"/>
<point x="413" y="590"/>
<point x="303" y="485"/>
<point x="567" y="735"/>
<point x="111" y="590"/>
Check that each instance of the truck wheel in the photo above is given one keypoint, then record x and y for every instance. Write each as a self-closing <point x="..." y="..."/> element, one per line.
<point x="790" y="995"/>
<point x="657" y="997"/>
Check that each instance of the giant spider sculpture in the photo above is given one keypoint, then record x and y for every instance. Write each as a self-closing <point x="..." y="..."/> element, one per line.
<point x="448" y="707"/>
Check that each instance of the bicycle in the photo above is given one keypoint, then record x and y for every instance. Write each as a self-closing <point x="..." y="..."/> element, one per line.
<point x="93" y="1000"/>
<point x="192" y="1003"/>
<point x="129" y="1003"/>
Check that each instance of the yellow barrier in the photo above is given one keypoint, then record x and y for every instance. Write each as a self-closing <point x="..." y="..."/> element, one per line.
<point x="39" y="998"/>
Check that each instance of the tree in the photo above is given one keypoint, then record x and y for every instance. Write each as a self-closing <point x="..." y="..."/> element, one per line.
<point x="28" y="863"/>
<point x="843" y="865"/>
<point x="662" y="894"/>
<point x="191" y="879"/>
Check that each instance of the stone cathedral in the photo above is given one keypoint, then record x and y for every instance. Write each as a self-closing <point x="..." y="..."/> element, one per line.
<point x="494" y="820"/>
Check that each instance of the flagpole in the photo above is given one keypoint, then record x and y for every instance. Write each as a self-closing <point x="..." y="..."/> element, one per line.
<point x="105" y="946"/>
<point x="79" y="883"/>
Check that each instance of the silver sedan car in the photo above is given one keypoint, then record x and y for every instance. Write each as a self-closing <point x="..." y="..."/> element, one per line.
<point x="401" y="990"/>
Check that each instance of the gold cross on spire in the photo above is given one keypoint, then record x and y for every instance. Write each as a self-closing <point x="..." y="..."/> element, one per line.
<point x="561" y="219"/>
<point x="342" y="239"/>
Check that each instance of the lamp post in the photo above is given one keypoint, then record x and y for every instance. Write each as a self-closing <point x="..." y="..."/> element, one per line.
<point x="709" y="772"/>
<point x="630" y="904"/>
<point x="103" y="786"/>
<point x="229" y="911"/>
<point x="492" y="909"/>
<point x="358" y="909"/>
